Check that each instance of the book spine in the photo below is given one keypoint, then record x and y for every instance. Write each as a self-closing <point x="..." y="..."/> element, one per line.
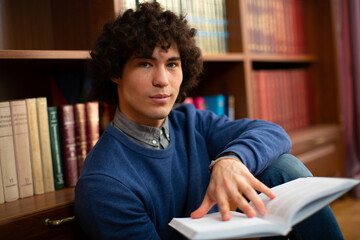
<point x="92" y="124"/>
<point x="80" y="134"/>
<point x="22" y="148"/>
<point x="230" y="106"/>
<point x="7" y="154"/>
<point x="35" y="152"/>
<point x="43" y="121"/>
<point x="215" y="104"/>
<point x="2" y="197"/>
<point x="67" y="130"/>
<point x="199" y="103"/>
<point x="58" y="173"/>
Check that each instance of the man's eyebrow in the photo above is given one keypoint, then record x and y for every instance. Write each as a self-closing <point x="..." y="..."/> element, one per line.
<point x="155" y="59"/>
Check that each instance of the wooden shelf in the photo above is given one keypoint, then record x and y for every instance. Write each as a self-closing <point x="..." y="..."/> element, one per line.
<point x="229" y="57"/>
<point x="44" y="54"/>
<point x="303" y="58"/>
<point x="14" y="211"/>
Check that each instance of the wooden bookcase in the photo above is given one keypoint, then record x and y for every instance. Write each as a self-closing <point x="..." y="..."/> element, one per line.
<point x="41" y="37"/>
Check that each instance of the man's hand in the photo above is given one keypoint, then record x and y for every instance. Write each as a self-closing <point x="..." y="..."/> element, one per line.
<point x="231" y="180"/>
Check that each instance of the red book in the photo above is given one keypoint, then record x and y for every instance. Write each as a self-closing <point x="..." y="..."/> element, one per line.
<point x="92" y="124"/>
<point x="80" y="134"/>
<point x="67" y="123"/>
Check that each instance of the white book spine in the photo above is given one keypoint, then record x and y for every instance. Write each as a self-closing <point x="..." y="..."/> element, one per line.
<point x="22" y="148"/>
<point x="7" y="154"/>
<point x="43" y="122"/>
<point x="35" y="151"/>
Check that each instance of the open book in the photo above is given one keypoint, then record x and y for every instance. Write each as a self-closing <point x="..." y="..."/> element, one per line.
<point x="295" y="201"/>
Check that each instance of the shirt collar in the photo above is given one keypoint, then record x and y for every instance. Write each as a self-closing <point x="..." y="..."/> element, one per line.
<point x="145" y="135"/>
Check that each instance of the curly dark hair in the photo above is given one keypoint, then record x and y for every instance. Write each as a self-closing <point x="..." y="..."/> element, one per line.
<point x="139" y="32"/>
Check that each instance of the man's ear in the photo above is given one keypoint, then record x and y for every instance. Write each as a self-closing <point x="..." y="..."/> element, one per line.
<point x="116" y="80"/>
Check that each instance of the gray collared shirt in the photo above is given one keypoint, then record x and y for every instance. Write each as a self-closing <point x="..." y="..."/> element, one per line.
<point x="152" y="137"/>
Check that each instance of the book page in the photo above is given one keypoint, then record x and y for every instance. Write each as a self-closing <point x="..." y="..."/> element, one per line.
<point x="212" y="227"/>
<point x="295" y="195"/>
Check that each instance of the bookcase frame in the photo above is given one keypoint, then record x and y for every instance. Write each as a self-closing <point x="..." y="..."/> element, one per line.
<point x="41" y="36"/>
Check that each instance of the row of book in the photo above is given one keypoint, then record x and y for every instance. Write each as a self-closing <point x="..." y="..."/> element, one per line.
<point x="219" y="104"/>
<point x="207" y="16"/>
<point x="283" y="97"/>
<point x="276" y="26"/>
<point x="42" y="148"/>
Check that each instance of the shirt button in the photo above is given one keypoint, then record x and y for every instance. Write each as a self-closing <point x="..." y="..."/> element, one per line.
<point x="154" y="141"/>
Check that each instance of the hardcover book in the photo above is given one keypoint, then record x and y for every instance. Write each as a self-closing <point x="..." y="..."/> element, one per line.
<point x="45" y="148"/>
<point x="67" y="131"/>
<point x="55" y="144"/>
<point x="22" y="148"/>
<point x="295" y="201"/>
<point x="80" y="134"/>
<point x="7" y="154"/>
<point x="92" y="124"/>
<point x="35" y="152"/>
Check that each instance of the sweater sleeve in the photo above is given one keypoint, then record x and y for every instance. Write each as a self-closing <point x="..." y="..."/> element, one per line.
<point x="258" y="143"/>
<point x="106" y="209"/>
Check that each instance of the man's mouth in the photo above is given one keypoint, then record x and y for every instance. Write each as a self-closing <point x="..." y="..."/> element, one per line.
<point x="160" y="98"/>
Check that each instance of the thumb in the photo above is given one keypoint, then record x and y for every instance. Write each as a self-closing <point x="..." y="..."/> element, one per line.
<point x="204" y="208"/>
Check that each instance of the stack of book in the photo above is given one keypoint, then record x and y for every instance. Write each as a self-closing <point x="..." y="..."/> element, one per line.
<point x="207" y="16"/>
<point x="219" y="104"/>
<point x="42" y="148"/>
<point x="276" y="26"/>
<point x="283" y="97"/>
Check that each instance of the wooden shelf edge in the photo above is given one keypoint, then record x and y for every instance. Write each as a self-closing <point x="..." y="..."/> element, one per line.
<point x="44" y="54"/>
<point x="283" y="58"/>
<point x="225" y="57"/>
<point x="314" y="132"/>
<point x="85" y="54"/>
<point x="20" y="208"/>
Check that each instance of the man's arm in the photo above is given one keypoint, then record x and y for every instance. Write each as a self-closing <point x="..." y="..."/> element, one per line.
<point x="106" y="209"/>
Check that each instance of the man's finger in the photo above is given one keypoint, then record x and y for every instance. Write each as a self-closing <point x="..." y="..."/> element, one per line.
<point x="224" y="206"/>
<point x="259" y="186"/>
<point x="204" y="208"/>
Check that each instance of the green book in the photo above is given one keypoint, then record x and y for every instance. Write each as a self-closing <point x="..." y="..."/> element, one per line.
<point x="56" y="148"/>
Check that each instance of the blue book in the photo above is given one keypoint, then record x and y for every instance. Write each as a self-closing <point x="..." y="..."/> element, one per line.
<point x="216" y="104"/>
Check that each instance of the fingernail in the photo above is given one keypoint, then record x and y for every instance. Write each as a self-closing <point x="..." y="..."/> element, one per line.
<point x="262" y="211"/>
<point x="226" y="216"/>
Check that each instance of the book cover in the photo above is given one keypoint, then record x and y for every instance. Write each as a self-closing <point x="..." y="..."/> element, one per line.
<point x="215" y="104"/>
<point x="44" y="136"/>
<point x="80" y="134"/>
<point x="199" y="103"/>
<point x="22" y="148"/>
<point x="68" y="144"/>
<point x="296" y="200"/>
<point x="7" y="154"/>
<point x="35" y="152"/>
<point x="55" y="144"/>
<point x="92" y="124"/>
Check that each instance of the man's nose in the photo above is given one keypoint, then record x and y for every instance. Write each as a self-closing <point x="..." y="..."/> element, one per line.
<point x="160" y="77"/>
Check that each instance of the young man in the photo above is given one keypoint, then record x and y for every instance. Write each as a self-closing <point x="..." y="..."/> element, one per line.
<point x="154" y="162"/>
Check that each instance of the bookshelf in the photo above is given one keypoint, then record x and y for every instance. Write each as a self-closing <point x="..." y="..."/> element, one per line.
<point x="40" y="37"/>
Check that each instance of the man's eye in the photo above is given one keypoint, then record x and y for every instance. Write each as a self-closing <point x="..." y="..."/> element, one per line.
<point x="144" y="64"/>
<point x="173" y="65"/>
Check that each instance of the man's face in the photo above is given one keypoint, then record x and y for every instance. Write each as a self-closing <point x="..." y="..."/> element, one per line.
<point x="148" y="87"/>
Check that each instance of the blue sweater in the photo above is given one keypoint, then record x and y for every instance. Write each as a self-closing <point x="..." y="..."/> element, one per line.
<point x="128" y="191"/>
